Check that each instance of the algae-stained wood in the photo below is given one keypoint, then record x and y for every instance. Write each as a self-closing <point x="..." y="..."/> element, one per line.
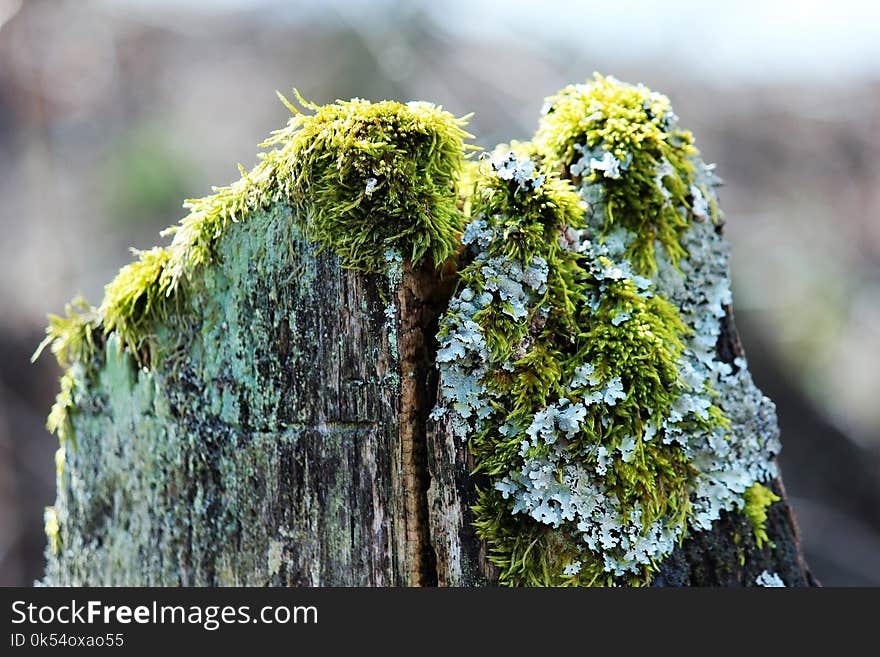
<point x="265" y="446"/>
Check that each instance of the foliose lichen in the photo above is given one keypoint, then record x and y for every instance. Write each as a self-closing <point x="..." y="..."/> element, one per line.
<point x="769" y="579"/>
<point x="578" y="357"/>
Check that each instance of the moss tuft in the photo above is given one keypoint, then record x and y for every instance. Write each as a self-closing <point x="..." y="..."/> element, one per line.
<point x="365" y="178"/>
<point x="136" y="298"/>
<point x="626" y="138"/>
<point x="71" y="338"/>
<point x="52" y="528"/>
<point x="528" y="553"/>
<point x="59" y="421"/>
<point x="758" y="499"/>
<point x="377" y="176"/>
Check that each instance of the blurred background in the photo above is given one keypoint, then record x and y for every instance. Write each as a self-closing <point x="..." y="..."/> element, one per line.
<point x="114" y="111"/>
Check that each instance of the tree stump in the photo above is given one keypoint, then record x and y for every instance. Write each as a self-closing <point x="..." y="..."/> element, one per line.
<point x="260" y="403"/>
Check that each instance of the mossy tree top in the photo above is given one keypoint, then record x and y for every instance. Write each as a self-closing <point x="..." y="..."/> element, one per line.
<point x="365" y="177"/>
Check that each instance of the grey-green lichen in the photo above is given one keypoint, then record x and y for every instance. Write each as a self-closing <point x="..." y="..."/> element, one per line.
<point x="578" y="357"/>
<point x="769" y="579"/>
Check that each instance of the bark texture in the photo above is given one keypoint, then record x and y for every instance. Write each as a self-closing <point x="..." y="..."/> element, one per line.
<point x="283" y="439"/>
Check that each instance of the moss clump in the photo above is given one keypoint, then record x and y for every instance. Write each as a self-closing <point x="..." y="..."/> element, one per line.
<point x="59" y="416"/>
<point x="72" y="338"/>
<point x="758" y="499"/>
<point x="587" y="343"/>
<point x="379" y="176"/>
<point x="365" y="177"/>
<point x="625" y="139"/>
<point x="136" y="298"/>
<point x="527" y="553"/>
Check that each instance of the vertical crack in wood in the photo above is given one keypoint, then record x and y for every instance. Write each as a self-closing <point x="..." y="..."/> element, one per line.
<point x="422" y="294"/>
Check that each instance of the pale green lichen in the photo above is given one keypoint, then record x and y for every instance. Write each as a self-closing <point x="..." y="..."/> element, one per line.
<point x="569" y="357"/>
<point x="768" y="579"/>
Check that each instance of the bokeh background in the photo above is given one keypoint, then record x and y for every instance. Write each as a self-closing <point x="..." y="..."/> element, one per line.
<point x="114" y="111"/>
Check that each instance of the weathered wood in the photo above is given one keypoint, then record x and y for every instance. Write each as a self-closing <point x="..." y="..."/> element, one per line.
<point x="281" y="443"/>
<point x="460" y="555"/>
<point x="285" y="443"/>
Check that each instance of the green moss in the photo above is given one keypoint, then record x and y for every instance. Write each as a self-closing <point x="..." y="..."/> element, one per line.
<point x="71" y="338"/>
<point x="364" y="178"/>
<point x="571" y="324"/>
<point x="758" y="499"/>
<point x="379" y="176"/>
<point x="60" y="459"/>
<point x="59" y="421"/>
<point x="528" y="553"/>
<point x="638" y="128"/>
<point x="136" y="298"/>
